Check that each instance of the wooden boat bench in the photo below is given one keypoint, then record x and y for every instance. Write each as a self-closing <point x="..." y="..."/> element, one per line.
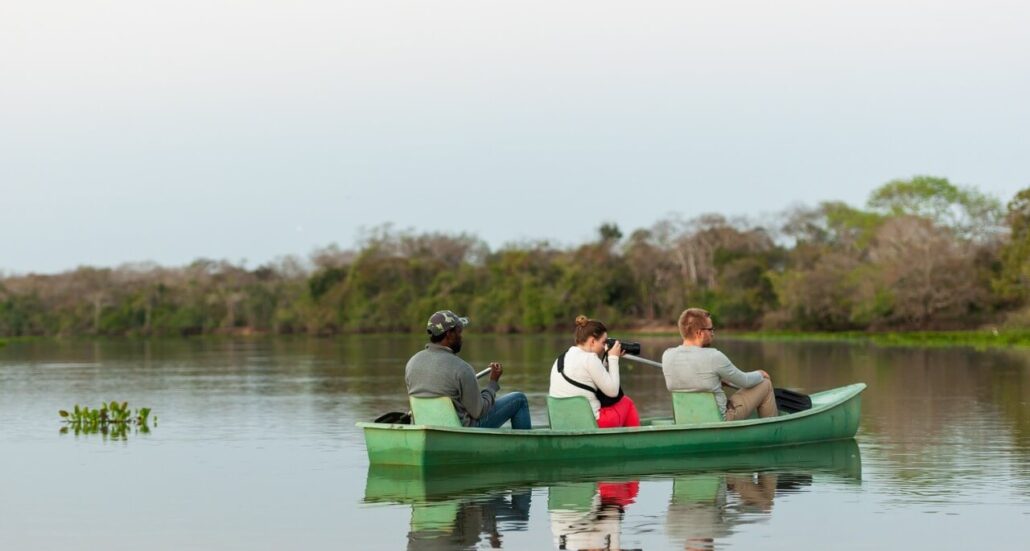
<point x="434" y="410"/>
<point x="573" y="413"/>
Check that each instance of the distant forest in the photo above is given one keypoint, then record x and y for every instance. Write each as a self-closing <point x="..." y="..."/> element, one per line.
<point x="922" y="254"/>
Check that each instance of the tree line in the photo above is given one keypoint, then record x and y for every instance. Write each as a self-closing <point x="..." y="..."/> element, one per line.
<point x="922" y="253"/>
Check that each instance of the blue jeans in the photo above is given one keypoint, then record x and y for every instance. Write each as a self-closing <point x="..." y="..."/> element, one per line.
<point x="513" y="406"/>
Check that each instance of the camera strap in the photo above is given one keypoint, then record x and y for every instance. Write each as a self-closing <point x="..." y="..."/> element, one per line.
<point x="561" y="369"/>
<point x="605" y="400"/>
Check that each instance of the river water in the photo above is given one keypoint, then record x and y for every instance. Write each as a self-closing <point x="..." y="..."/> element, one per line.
<point x="255" y="447"/>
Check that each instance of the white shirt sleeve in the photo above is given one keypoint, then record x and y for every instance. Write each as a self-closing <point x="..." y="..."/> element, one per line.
<point x="607" y="381"/>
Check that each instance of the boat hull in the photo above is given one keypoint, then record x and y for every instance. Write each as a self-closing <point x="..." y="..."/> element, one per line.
<point x="834" y="415"/>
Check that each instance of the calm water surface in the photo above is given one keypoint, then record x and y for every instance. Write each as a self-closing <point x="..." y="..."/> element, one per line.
<point x="256" y="448"/>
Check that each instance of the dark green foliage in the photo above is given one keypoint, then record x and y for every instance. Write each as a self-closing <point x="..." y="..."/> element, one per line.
<point x="320" y="282"/>
<point x="745" y="289"/>
<point x="1013" y="281"/>
<point x="965" y="211"/>
<point x="925" y="255"/>
<point x="113" y="420"/>
<point x="610" y="233"/>
<point x="921" y="258"/>
<point x="976" y="339"/>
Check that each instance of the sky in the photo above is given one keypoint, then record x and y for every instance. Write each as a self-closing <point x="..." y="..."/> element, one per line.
<point x="138" y="130"/>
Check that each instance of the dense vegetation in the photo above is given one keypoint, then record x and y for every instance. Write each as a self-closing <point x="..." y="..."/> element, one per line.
<point x="923" y="254"/>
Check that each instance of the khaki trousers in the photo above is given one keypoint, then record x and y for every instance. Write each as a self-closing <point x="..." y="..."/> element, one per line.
<point x="747" y="400"/>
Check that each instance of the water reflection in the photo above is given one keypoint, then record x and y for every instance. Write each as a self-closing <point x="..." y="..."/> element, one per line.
<point x="113" y="432"/>
<point x="707" y="507"/>
<point x="589" y="515"/>
<point x="258" y="441"/>
<point x="464" y="523"/>
<point x="711" y="496"/>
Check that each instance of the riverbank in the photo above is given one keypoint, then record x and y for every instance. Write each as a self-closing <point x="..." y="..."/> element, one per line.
<point x="989" y="338"/>
<point x="1006" y="338"/>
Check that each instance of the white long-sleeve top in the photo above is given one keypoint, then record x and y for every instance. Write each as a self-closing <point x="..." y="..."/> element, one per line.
<point x="595" y="528"/>
<point x="585" y="367"/>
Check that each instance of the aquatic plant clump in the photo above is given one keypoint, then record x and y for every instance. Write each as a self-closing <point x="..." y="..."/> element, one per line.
<point x="112" y="419"/>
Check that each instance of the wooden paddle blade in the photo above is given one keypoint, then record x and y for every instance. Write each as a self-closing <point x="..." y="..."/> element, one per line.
<point x="791" y="401"/>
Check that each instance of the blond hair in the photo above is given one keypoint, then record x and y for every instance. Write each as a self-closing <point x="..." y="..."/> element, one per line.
<point x="691" y="320"/>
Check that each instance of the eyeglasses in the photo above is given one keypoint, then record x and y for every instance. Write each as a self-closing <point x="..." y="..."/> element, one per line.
<point x="712" y="329"/>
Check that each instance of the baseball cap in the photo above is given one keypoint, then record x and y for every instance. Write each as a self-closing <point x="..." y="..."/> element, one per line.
<point x="443" y="321"/>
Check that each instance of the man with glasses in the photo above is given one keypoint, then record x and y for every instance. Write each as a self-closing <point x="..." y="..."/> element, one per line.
<point x="695" y="366"/>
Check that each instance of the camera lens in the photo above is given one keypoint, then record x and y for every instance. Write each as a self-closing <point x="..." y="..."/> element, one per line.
<point x="627" y="347"/>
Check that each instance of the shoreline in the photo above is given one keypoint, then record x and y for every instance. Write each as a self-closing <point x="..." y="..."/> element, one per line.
<point x="980" y="338"/>
<point x="977" y="338"/>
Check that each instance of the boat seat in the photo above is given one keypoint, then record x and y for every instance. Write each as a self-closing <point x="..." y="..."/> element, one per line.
<point x="695" y="407"/>
<point x="698" y="488"/>
<point x="572" y="496"/>
<point x="572" y="413"/>
<point x="434" y="410"/>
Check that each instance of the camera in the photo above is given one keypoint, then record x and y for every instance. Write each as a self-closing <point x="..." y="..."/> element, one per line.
<point x="627" y="347"/>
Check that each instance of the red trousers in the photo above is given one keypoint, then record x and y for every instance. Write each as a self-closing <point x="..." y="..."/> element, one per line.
<point x="622" y="414"/>
<point x="618" y="493"/>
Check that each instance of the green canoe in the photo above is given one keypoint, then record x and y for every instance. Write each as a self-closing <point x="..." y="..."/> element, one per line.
<point x="834" y="415"/>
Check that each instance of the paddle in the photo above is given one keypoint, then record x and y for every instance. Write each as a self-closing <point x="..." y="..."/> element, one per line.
<point x="398" y="418"/>
<point x="786" y="399"/>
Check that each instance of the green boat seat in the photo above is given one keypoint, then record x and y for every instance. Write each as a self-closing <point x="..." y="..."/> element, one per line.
<point x="695" y="407"/>
<point x="572" y="496"/>
<point x="572" y="413"/>
<point x="434" y="410"/>
<point x="437" y="516"/>
<point x="695" y="488"/>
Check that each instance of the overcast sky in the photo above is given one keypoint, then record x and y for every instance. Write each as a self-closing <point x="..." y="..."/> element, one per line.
<point x="134" y="130"/>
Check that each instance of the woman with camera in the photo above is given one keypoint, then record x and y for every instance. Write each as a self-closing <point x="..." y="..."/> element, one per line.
<point x="579" y="371"/>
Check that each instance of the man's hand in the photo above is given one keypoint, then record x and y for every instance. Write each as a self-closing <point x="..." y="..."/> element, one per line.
<point x="496" y="371"/>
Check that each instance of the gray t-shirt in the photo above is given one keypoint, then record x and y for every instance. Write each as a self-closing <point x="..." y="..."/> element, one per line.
<point x="438" y="371"/>
<point x="692" y="368"/>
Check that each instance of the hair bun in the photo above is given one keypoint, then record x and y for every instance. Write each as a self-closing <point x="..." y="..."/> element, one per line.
<point x="581" y="321"/>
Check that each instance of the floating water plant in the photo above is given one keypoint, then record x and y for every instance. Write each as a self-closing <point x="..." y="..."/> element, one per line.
<point x="112" y="419"/>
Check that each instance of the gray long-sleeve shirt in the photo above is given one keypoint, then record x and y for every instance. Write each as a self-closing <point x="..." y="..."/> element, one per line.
<point x="692" y="368"/>
<point x="438" y="371"/>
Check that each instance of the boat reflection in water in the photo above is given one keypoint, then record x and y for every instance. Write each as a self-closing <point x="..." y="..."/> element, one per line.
<point x="462" y="523"/>
<point x="588" y="515"/>
<point x="707" y="507"/>
<point x="589" y="504"/>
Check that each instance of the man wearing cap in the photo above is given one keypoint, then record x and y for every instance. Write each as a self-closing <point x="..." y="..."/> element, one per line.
<point x="438" y="371"/>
